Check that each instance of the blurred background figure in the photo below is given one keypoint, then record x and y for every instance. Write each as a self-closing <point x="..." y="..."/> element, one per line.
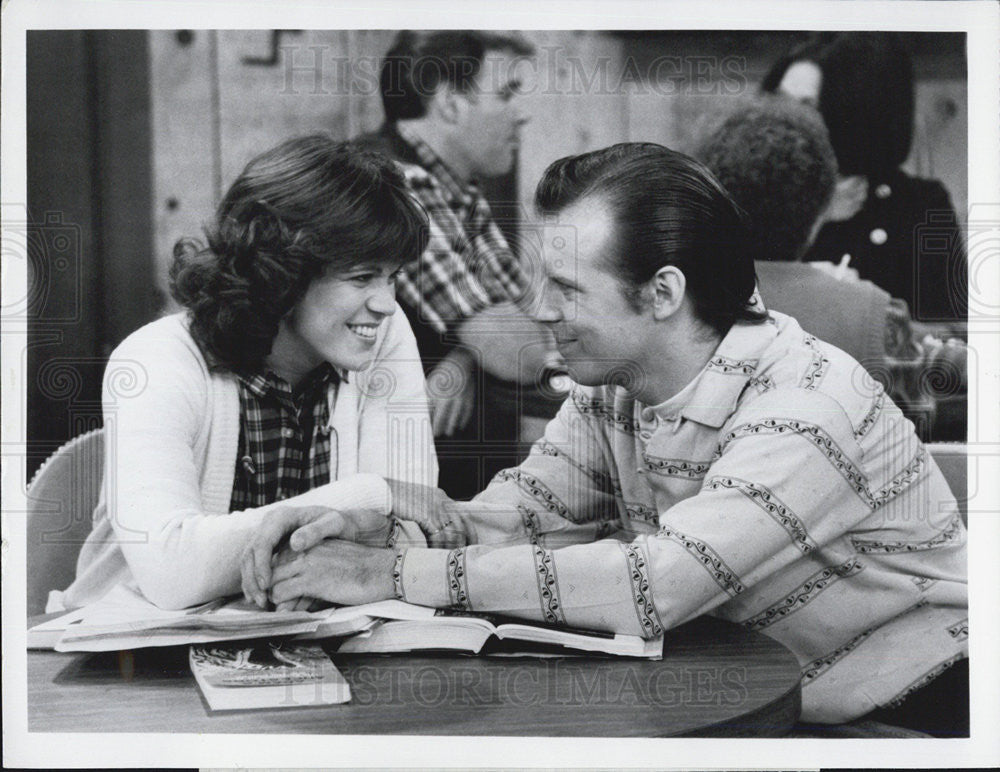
<point x="775" y="159"/>
<point x="890" y="224"/>
<point x="453" y="117"/>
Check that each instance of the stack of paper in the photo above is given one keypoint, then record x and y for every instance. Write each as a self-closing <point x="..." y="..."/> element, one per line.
<point x="124" y="619"/>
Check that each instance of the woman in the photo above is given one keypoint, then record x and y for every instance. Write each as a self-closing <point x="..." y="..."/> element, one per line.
<point x="290" y="380"/>
<point x="899" y="231"/>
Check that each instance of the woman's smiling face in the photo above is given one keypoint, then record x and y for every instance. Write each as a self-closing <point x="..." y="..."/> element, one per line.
<point x="336" y="321"/>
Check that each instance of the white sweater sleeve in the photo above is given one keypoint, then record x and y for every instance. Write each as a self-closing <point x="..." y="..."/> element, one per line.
<point x="180" y="554"/>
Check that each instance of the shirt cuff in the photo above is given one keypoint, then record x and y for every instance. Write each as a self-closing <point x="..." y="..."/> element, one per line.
<point x="422" y="577"/>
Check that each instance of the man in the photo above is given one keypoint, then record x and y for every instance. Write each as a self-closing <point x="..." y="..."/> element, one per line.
<point x="453" y="117"/>
<point x="714" y="458"/>
<point x="773" y="156"/>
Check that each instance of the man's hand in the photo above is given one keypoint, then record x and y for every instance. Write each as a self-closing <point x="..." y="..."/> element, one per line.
<point x="451" y="392"/>
<point x="335" y="571"/>
<point x="304" y="527"/>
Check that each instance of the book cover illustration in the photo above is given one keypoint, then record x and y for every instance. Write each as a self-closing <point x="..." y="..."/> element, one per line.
<point x="267" y="674"/>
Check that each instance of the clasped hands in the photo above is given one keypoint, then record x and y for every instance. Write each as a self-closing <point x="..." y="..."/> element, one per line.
<point x="305" y="553"/>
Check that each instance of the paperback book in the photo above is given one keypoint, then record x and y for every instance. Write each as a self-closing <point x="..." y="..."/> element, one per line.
<point x="267" y="674"/>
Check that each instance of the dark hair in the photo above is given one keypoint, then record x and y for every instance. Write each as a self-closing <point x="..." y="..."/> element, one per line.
<point x="668" y="209"/>
<point x="307" y="206"/>
<point x="866" y="96"/>
<point x="774" y="158"/>
<point x="418" y="63"/>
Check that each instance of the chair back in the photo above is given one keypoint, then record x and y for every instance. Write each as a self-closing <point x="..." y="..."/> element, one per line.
<point x="952" y="459"/>
<point x="61" y="500"/>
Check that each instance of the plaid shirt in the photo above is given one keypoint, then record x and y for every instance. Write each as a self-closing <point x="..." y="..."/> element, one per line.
<point x="284" y="440"/>
<point x="467" y="265"/>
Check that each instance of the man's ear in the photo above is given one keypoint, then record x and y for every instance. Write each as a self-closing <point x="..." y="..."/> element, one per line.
<point x="668" y="286"/>
<point x="446" y="105"/>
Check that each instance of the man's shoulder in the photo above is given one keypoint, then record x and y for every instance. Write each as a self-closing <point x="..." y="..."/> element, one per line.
<point x="801" y="372"/>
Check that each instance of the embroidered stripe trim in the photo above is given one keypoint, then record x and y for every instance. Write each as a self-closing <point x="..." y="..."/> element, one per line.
<point x="873" y="413"/>
<point x="960" y="631"/>
<point x="536" y="489"/>
<point x="728" y="366"/>
<point x="676" y="467"/>
<point x="909" y="474"/>
<point x="598" y="409"/>
<point x="925" y="679"/>
<point x="817" y="367"/>
<point x="394" y="530"/>
<point x="642" y="593"/>
<point x="817" y="667"/>
<point x="949" y="534"/>
<point x="803" y="595"/>
<point x="397" y="575"/>
<point x="823" y="442"/>
<point x="636" y="511"/>
<point x="772" y="505"/>
<point x="458" y="587"/>
<point x="548" y="586"/>
<point x="529" y="519"/>
<point x="603" y="479"/>
<point x="723" y="575"/>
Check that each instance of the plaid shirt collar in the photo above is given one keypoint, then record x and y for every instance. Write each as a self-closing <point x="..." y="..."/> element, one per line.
<point x="463" y="193"/>
<point x="316" y="381"/>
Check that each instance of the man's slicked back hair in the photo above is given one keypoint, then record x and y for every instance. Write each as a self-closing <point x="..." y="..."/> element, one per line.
<point x="667" y="209"/>
<point x="418" y="63"/>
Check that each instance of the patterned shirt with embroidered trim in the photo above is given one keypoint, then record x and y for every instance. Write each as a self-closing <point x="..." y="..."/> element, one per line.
<point x="284" y="437"/>
<point x="467" y="265"/>
<point x="782" y="490"/>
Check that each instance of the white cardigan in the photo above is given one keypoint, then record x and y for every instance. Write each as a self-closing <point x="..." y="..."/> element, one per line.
<point x="171" y="442"/>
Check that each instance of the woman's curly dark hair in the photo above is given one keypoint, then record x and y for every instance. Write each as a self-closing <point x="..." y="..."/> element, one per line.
<point x="308" y="206"/>
<point x="774" y="158"/>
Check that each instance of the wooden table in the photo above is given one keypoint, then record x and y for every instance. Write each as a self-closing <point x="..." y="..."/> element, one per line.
<point x="715" y="679"/>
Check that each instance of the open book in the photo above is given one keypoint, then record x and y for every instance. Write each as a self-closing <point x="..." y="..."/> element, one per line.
<point x="267" y="675"/>
<point x="456" y="631"/>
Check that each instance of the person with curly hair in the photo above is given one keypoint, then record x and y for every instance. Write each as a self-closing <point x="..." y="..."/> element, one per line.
<point x="775" y="159"/>
<point x="290" y="381"/>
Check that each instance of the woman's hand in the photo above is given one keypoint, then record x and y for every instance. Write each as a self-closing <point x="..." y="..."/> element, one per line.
<point x="848" y="197"/>
<point x="336" y="571"/>
<point x="304" y="527"/>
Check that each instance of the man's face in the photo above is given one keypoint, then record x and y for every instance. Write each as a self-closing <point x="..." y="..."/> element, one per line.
<point x="490" y="123"/>
<point x="600" y="335"/>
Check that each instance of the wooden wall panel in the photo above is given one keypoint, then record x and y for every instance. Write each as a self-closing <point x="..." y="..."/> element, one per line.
<point x="185" y="145"/>
<point x="573" y="107"/>
<point x="212" y="112"/>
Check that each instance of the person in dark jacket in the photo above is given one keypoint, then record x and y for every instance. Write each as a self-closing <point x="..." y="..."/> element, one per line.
<point x="774" y="158"/>
<point x="900" y="232"/>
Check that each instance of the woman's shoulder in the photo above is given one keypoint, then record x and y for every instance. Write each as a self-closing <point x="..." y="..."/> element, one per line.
<point x="165" y="340"/>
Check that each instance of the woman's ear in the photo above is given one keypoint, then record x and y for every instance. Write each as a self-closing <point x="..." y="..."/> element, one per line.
<point x="668" y="285"/>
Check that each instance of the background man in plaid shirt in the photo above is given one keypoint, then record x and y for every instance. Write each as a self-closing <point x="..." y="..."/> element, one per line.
<point x="452" y="118"/>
